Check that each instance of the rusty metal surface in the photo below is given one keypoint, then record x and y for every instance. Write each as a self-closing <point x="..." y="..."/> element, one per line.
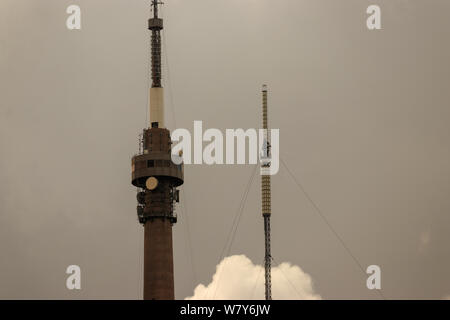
<point x="156" y="160"/>
<point x="162" y="167"/>
<point x="158" y="260"/>
<point x="157" y="139"/>
<point x="156" y="210"/>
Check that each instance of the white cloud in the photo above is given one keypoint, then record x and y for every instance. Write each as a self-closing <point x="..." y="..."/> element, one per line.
<point x="237" y="278"/>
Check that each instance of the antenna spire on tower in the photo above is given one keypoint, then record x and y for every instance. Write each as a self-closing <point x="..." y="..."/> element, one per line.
<point x="155" y="24"/>
<point x="155" y="4"/>
<point x="266" y="198"/>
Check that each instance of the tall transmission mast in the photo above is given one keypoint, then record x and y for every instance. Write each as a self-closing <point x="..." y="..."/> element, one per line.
<point x="266" y="198"/>
<point x="157" y="179"/>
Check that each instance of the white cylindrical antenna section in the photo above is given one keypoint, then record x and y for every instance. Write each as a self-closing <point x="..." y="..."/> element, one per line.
<point x="157" y="107"/>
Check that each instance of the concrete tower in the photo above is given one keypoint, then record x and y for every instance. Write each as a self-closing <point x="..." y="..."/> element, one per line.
<point x="157" y="177"/>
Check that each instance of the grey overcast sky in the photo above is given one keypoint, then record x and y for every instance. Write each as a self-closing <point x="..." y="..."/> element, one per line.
<point x="364" y="121"/>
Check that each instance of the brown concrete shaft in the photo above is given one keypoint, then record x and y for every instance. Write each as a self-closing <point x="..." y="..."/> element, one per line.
<point x="158" y="260"/>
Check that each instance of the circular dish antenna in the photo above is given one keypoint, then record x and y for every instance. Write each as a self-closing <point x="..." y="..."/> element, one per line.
<point x="151" y="183"/>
